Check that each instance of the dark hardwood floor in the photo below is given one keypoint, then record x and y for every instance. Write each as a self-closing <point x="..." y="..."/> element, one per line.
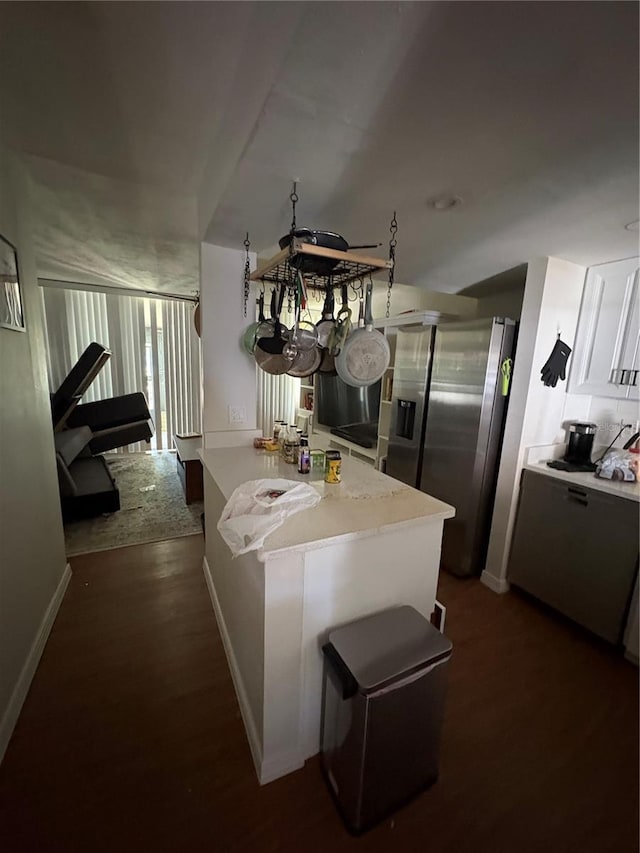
<point x="131" y="738"/>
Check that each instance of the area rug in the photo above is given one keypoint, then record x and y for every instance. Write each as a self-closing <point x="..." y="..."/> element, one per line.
<point x="152" y="506"/>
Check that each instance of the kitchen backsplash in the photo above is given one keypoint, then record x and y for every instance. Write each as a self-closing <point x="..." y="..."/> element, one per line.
<point x="608" y="414"/>
<point x="604" y="411"/>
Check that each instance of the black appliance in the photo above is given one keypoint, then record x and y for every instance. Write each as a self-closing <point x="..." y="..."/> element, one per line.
<point x="365" y="434"/>
<point x="577" y="456"/>
<point x="351" y="413"/>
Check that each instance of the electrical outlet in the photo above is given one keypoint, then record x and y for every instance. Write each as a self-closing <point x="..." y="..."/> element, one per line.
<point x="237" y="414"/>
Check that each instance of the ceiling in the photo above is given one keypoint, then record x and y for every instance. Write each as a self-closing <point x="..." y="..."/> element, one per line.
<point x="149" y="126"/>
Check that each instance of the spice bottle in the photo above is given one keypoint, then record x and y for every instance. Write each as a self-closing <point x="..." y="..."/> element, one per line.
<point x="304" y="456"/>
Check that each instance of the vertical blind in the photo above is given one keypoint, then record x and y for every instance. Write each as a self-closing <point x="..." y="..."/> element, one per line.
<point x="278" y="398"/>
<point x="154" y="349"/>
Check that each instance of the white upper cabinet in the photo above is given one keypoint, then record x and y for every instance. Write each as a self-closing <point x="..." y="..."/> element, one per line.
<point x="606" y="360"/>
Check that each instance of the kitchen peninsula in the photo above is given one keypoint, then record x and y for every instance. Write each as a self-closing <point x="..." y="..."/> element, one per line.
<point x="372" y="542"/>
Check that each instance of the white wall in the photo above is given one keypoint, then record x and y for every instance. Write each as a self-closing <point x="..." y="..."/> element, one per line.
<point x="229" y="374"/>
<point x="608" y="414"/>
<point x="500" y="295"/>
<point x="506" y="303"/>
<point x="32" y="556"/>
<point x="405" y="297"/>
<point x="553" y="292"/>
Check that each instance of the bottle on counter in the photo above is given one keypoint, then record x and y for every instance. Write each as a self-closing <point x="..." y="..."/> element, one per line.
<point x="277" y="426"/>
<point x="295" y="441"/>
<point x="282" y="434"/>
<point x="304" y="456"/>
<point x="291" y="444"/>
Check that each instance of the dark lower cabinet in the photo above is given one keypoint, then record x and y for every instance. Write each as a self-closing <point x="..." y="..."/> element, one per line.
<point x="576" y="549"/>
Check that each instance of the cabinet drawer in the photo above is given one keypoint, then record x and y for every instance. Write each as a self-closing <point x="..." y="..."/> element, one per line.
<point x="576" y="549"/>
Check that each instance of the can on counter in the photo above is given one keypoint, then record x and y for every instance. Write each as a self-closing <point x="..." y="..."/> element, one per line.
<point x="333" y="462"/>
<point x="317" y="464"/>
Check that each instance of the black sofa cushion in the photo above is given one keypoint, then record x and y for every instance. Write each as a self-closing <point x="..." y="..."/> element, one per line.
<point x="95" y="489"/>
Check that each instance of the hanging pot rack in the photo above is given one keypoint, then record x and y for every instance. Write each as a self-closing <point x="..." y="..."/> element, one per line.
<point x="346" y="267"/>
<point x="351" y="266"/>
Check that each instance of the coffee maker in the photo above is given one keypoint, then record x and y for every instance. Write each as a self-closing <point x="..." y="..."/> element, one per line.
<point x="577" y="456"/>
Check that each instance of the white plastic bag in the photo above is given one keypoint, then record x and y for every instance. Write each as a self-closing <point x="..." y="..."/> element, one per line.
<point x="260" y="506"/>
<point x="618" y="465"/>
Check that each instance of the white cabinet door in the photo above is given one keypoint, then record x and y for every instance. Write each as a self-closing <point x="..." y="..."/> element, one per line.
<point x="608" y="333"/>
<point x="630" y="353"/>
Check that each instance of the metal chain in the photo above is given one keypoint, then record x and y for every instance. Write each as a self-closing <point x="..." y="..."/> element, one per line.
<point x="247" y="273"/>
<point x="393" y="230"/>
<point x="293" y="198"/>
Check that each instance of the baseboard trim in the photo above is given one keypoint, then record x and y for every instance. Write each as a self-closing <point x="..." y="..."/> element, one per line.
<point x="280" y="766"/>
<point x="243" y="702"/>
<point x="23" y="684"/>
<point x="495" y="584"/>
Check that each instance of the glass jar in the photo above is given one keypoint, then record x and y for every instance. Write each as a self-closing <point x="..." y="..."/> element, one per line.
<point x="291" y="444"/>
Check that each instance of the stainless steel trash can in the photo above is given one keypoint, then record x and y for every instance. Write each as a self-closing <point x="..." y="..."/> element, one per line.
<point x="383" y="703"/>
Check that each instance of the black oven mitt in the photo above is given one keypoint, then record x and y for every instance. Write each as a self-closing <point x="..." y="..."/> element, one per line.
<point x="555" y="366"/>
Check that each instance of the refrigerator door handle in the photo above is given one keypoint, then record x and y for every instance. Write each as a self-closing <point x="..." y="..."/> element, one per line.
<point x="500" y="347"/>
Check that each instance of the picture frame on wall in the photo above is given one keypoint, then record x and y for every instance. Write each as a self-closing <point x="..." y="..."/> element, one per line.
<point x="11" y="305"/>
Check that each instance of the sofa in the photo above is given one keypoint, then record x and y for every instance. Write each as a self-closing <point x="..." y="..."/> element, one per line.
<point x="86" y="486"/>
<point x="83" y="431"/>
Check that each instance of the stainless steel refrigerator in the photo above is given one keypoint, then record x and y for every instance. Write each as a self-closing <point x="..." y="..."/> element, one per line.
<point x="447" y="422"/>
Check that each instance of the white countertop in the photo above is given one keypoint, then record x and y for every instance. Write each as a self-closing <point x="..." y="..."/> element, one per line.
<point x="364" y="503"/>
<point x="630" y="491"/>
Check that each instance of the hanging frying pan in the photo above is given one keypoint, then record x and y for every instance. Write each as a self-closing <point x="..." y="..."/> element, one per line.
<point x="303" y="360"/>
<point x="249" y="337"/>
<point x="326" y="330"/>
<point x="305" y="363"/>
<point x="324" y="239"/>
<point x="342" y="325"/>
<point x="267" y="328"/>
<point x="328" y="363"/>
<point x="268" y="351"/>
<point x="365" y="355"/>
<point x="327" y="323"/>
<point x="304" y="335"/>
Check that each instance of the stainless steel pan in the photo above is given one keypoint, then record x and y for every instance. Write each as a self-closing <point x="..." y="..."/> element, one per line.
<point x="327" y="323"/>
<point x="303" y="360"/>
<point x="268" y="352"/>
<point x="249" y="337"/>
<point x="267" y="328"/>
<point x="365" y="355"/>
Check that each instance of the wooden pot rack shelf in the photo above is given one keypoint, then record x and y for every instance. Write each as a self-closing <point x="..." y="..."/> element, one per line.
<point x="351" y="266"/>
